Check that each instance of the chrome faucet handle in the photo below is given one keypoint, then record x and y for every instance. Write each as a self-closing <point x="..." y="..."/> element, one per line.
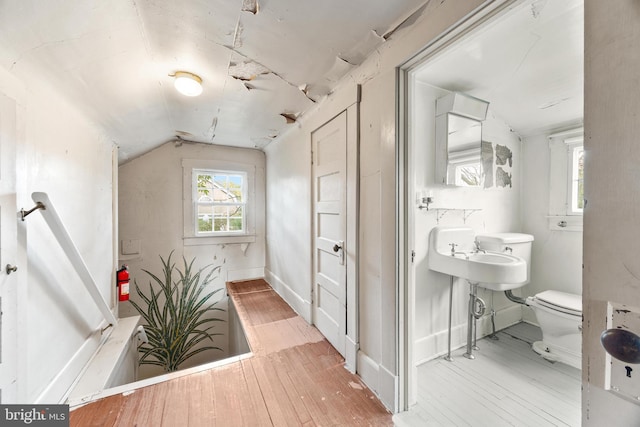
<point x="453" y="248"/>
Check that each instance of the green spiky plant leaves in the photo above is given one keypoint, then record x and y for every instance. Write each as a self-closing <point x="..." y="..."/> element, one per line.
<point x="177" y="314"/>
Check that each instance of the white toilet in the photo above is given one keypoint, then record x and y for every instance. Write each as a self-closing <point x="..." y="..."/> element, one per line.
<point x="559" y="314"/>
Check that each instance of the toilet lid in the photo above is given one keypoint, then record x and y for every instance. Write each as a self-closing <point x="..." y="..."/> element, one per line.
<point x="561" y="300"/>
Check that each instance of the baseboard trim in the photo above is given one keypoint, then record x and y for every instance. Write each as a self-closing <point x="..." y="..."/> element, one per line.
<point x="245" y="274"/>
<point x="380" y="380"/>
<point x="433" y="346"/>
<point x="59" y="387"/>
<point x="297" y="303"/>
<point x="351" y="354"/>
<point x="389" y="389"/>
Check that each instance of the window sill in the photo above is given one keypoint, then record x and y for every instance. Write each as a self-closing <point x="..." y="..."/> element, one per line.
<point x="219" y="240"/>
<point x="565" y="222"/>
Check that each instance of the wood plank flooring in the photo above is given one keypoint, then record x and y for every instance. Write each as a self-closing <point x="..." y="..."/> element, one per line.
<point x="295" y="378"/>
<point x="508" y="384"/>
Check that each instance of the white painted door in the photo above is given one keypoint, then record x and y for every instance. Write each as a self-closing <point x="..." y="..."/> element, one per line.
<point x="8" y="253"/>
<point x="329" y="145"/>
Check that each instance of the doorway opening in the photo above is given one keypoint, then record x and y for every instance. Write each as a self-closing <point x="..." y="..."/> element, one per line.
<point x="525" y="58"/>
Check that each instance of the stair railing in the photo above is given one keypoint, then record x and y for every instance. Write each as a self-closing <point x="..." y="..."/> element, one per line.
<point x="51" y="217"/>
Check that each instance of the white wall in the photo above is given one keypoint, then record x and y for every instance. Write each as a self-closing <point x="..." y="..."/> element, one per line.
<point x="612" y="191"/>
<point x="288" y="166"/>
<point x="500" y="212"/>
<point x="62" y="153"/>
<point x="288" y="241"/>
<point x="151" y="211"/>
<point x="556" y="255"/>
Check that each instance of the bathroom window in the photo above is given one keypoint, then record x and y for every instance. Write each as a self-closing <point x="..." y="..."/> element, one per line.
<point x="575" y="190"/>
<point x="566" y="180"/>
<point x="218" y="202"/>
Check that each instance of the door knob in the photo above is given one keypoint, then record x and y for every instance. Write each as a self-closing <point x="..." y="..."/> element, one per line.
<point x="10" y="269"/>
<point x="339" y="249"/>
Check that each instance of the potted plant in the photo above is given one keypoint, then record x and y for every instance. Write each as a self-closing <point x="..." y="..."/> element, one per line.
<point x="177" y="314"/>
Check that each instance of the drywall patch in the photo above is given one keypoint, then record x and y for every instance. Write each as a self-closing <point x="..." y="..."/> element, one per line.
<point x="250" y="6"/>
<point x="290" y="117"/>
<point x="359" y="52"/>
<point x="247" y="70"/>
<point x="486" y="156"/>
<point x="211" y="132"/>
<point x="184" y="134"/>
<point x="504" y="155"/>
<point x="536" y="8"/>
<point x="340" y="68"/>
<point x="503" y="179"/>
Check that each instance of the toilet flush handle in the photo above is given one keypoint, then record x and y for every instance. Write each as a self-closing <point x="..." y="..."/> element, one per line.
<point x="508" y="249"/>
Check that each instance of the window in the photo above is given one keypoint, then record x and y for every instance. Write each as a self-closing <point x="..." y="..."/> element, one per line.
<point x="566" y="180"/>
<point x="220" y="201"/>
<point x="575" y="192"/>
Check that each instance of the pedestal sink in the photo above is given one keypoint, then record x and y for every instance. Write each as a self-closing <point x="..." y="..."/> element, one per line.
<point x="453" y="251"/>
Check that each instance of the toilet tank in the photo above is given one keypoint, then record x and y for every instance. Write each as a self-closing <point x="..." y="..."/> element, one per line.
<point x="518" y="244"/>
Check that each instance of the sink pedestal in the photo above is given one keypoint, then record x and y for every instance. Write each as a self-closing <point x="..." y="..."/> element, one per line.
<point x="476" y="310"/>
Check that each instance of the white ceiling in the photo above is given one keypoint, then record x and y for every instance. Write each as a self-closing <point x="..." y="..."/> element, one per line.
<point x="113" y="60"/>
<point x="527" y="64"/>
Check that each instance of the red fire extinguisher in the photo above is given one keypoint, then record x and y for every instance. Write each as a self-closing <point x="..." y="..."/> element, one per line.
<point x="123" y="283"/>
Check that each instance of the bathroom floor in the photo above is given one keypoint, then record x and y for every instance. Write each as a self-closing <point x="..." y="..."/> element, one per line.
<point x="507" y="384"/>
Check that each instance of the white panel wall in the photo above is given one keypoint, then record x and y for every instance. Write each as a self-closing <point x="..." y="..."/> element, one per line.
<point x="288" y="164"/>
<point x="612" y="191"/>
<point x="556" y="256"/>
<point x="500" y="212"/>
<point x="62" y="153"/>
<point x="288" y="256"/>
<point x="151" y="211"/>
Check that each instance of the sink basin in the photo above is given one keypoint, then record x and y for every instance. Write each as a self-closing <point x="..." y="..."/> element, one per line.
<point x="491" y="270"/>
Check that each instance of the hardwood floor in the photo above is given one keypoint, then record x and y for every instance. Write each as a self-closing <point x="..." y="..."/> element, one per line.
<point x="295" y="378"/>
<point x="508" y="384"/>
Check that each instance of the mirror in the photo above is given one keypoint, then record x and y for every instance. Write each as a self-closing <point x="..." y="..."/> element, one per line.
<point x="459" y="140"/>
<point x="464" y="137"/>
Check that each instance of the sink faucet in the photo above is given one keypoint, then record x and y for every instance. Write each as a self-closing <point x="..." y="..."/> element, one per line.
<point x="478" y="247"/>
<point x="454" y="252"/>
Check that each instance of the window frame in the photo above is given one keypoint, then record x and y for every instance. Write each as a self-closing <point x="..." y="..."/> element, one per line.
<point x="562" y="216"/>
<point x="574" y="146"/>
<point x="197" y="202"/>
<point x="191" y="167"/>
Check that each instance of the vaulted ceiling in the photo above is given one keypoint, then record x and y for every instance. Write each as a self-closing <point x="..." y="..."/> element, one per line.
<point x="263" y="62"/>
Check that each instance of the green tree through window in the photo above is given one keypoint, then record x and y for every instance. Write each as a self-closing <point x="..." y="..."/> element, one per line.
<point x="220" y="201"/>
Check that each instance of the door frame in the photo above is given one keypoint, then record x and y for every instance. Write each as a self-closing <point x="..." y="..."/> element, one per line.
<point x="349" y="101"/>
<point x="331" y="136"/>
<point x="13" y="89"/>
<point x="405" y="189"/>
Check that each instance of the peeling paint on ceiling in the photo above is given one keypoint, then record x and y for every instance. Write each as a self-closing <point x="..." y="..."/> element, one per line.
<point x="256" y="60"/>
<point x="247" y="71"/>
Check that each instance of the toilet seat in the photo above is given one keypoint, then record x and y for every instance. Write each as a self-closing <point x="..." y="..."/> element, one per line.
<point x="560" y="301"/>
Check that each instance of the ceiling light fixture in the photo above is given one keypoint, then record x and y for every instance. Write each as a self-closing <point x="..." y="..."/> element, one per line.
<point x="187" y="83"/>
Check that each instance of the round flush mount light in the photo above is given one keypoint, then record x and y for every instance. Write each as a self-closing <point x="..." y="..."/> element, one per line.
<point x="187" y="83"/>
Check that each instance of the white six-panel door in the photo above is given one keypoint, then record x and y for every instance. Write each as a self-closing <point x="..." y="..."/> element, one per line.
<point x="329" y="145"/>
